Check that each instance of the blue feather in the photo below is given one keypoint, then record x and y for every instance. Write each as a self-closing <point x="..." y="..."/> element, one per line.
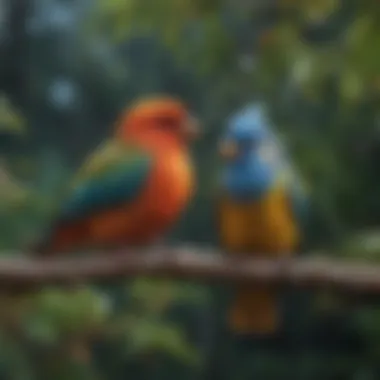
<point x="248" y="178"/>
<point x="247" y="125"/>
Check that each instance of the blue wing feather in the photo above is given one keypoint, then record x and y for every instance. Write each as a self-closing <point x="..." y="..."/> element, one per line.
<point x="295" y="187"/>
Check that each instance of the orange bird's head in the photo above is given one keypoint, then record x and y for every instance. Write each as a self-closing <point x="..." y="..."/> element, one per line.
<point x="158" y="121"/>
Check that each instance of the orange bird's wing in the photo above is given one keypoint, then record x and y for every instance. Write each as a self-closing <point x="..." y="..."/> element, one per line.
<point x="112" y="177"/>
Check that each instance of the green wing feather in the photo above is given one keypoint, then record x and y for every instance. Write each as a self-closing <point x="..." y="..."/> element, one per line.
<point x="115" y="174"/>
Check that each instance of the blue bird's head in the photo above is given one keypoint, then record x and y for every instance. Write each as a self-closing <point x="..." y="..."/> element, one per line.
<point x="245" y="132"/>
<point x="247" y="173"/>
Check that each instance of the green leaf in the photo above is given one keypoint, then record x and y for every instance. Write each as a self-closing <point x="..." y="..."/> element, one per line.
<point x="362" y="245"/>
<point x="10" y="120"/>
<point x="65" y="312"/>
<point x="351" y="86"/>
<point x="148" y="335"/>
<point x="156" y="296"/>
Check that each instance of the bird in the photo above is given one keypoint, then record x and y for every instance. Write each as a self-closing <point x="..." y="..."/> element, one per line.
<point x="261" y="205"/>
<point x="132" y="189"/>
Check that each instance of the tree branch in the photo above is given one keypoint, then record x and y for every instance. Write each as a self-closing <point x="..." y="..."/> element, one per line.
<point x="191" y="263"/>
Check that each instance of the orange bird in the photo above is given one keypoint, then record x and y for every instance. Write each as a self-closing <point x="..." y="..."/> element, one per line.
<point x="134" y="187"/>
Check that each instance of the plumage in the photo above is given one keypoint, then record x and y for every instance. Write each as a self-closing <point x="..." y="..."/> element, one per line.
<point x="131" y="189"/>
<point x="112" y="177"/>
<point x="257" y="212"/>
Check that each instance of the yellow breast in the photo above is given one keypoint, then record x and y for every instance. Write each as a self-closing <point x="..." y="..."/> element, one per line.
<point x="265" y="226"/>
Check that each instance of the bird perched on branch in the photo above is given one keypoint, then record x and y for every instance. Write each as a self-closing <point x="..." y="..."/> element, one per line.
<point x="134" y="187"/>
<point x="262" y="205"/>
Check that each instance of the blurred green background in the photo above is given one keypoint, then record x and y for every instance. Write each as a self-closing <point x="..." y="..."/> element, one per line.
<point x="68" y="67"/>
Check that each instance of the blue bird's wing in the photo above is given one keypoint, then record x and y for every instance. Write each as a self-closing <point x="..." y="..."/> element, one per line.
<point x="275" y="154"/>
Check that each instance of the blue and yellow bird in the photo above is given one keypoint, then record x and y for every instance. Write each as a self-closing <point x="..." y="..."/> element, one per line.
<point x="261" y="210"/>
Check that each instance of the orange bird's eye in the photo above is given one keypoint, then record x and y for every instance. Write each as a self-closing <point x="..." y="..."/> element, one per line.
<point x="167" y="122"/>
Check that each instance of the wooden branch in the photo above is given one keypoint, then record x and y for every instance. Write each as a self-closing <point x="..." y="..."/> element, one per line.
<point x="191" y="263"/>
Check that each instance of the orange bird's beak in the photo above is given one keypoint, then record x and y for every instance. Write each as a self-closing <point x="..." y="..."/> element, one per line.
<point x="228" y="150"/>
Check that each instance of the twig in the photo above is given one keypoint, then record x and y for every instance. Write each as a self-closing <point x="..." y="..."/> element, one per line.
<point x="195" y="264"/>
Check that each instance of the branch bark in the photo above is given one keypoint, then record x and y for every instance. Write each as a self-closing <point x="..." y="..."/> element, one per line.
<point x="194" y="264"/>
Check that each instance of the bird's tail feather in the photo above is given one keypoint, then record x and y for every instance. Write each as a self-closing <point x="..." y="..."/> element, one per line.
<point x="255" y="310"/>
<point x="61" y="238"/>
